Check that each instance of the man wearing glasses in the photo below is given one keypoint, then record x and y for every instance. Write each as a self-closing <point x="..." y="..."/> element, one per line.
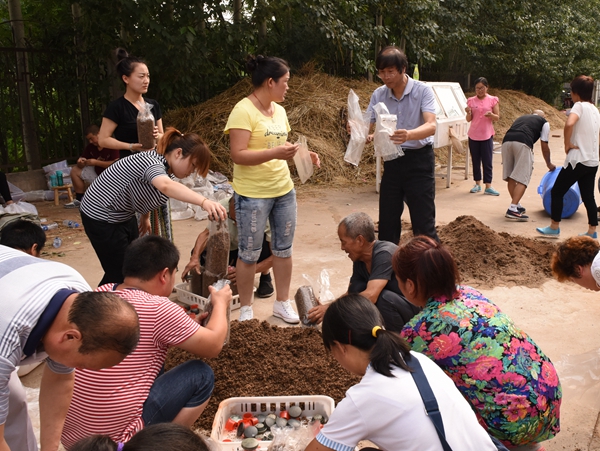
<point x="410" y="178"/>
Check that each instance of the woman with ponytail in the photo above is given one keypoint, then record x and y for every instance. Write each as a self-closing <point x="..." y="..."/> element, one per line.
<point x="385" y="407"/>
<point x="139" y="184"/>
<point x="163" y="437"/>
<point x="119" y="124"/>
<point x="510" y="383"/>
<point x="258" y="130"/>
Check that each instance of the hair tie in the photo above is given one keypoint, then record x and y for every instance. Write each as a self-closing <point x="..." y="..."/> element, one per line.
<point x="120" y="446"/>
<point x="181" y="135"/>
<point x="374" y="331"/>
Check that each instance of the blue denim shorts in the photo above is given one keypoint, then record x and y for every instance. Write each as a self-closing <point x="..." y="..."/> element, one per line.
<point x="251" y="218"/>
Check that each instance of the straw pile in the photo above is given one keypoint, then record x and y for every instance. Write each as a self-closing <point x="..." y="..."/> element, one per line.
<point x="315" y="106"/>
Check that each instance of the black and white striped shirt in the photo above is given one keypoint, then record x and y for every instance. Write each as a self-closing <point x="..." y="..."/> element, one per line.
<point x="125" y="188"/>
<point x="27" y="285"/>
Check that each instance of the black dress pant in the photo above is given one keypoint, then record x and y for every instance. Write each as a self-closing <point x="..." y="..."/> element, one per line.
<point x="409" y="179"/>
<point x="110" y="240"/>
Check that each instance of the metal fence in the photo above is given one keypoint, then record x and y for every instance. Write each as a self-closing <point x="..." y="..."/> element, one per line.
<point x="55" y="89"/>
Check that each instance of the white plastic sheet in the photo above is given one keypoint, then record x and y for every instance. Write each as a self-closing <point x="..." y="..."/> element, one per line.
<point x="385" y="126"/>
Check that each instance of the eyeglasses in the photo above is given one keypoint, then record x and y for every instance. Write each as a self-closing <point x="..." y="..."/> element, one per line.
<point x="386" y="73"/>
<point x="481" y="88"/>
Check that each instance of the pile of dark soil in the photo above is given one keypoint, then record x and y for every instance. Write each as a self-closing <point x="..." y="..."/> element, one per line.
<point x="265" y="360"/>
<point x="486" y="257"/>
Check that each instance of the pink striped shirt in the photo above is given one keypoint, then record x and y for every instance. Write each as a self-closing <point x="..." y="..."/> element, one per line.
<point x="482" y="128"/>
<point x="110" y="401"/>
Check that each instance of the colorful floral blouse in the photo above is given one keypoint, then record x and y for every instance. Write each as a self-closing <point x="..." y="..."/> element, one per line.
<point x="511" y="384"/>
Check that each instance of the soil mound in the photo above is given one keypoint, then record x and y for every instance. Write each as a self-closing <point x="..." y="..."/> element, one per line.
<point x="485" y="257"/>
<point x="265" y="360"/>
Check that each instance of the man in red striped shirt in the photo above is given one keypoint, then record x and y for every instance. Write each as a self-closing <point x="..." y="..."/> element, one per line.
<point x="124" y="399"/>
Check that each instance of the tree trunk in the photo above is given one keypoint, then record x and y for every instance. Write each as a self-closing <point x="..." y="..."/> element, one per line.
<point x="30" y="142"/>
<point x="84" y="107"/>
<point x="237" y="12"/>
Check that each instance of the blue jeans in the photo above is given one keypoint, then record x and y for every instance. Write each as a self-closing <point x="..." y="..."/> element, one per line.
<point x="251" y="218"/>
<point x="187" y="385"/>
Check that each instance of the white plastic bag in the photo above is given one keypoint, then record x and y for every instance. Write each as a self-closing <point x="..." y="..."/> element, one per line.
<point x="580" y="378"/>
<point x="359" y="130"/>
<point x="21" y="207"/>
<point x="145" y="126"/>
<point x="302" y="160"/>
<point x="385" y="126"/>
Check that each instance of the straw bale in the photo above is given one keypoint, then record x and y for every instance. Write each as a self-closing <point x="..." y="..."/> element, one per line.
<point x="315" y="106"/>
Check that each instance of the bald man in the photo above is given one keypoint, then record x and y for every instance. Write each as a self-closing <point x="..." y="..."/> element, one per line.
<point x="517" y="158"/>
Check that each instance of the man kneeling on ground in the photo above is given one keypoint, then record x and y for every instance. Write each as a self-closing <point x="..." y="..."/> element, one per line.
<point x="136" y="393"/>
<point x="372" y="273"/>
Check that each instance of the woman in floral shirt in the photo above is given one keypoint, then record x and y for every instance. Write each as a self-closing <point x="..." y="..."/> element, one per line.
<point x="510" y="383"/>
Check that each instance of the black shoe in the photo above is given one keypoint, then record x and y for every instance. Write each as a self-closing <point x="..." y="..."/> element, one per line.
<point x="516" y="216"/>
<point x="265" y="287"/>
<point x="521" y="210"/>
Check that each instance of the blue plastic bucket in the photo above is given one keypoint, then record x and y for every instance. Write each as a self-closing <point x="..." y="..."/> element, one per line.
<point x="571" y="201"/>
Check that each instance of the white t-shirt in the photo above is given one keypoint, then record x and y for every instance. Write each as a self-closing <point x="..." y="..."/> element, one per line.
<point x="389" y="412"/>
<point x="585" y="136"/>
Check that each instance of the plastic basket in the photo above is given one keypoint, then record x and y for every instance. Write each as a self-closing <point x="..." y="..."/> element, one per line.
<point x="187" y="297"/>
<point x="310" y="404"/>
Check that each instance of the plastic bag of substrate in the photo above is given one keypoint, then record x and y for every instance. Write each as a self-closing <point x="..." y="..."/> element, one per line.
<point x="145" y="126"/>
<point x="385" y="126"/>
<point x="302" y="160"/>
<point x="359" y="123"/>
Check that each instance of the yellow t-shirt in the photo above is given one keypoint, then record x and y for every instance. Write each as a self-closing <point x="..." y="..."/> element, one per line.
<point x="266" y="180"/>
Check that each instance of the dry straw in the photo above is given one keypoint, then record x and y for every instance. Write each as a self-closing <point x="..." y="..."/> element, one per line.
<point x="315" y="105"/>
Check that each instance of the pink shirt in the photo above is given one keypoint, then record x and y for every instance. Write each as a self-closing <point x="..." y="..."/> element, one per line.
<point x="482" y="127"/>
<point x="110" y="401"/>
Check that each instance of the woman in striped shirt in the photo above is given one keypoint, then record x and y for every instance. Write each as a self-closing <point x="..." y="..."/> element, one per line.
<point x="139" y="184"/>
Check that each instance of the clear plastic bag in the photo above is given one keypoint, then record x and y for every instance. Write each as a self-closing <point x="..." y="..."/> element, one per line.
<point x="302" y="160"/>
<point x="580" y="378"/>
<point x="217" y="254"/>
<point x="359" y="130"/>
<point x="291" y="439"/>
<point x="21" y="207"/>
<point x="145" y="126"/>
<point x="305" y="300"/>
<point x="385" y="126"/>
<point x="208" y="308"/>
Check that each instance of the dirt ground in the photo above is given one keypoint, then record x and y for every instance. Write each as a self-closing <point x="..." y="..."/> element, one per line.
<point x="505" y="260"/>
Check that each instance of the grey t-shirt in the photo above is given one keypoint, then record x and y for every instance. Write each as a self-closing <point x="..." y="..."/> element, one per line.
<point x="381" y="269"/>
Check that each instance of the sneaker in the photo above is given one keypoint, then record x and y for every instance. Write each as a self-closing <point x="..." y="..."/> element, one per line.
<point x="521" y="209"/>
<point x="265" y="287"/>
<point x="74" y="204"/>
<point x="246" y="313"/>
<point x="549" y="232"/>
<point x="591" y="235"/>
<point x="516" y="216"/>
<point x="476" y="189"/>
<point x="284" y="310"/>
<point x="491" y="191"/>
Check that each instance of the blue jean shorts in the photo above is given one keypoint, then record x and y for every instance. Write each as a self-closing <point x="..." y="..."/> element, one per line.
<point x="251" y="218"/>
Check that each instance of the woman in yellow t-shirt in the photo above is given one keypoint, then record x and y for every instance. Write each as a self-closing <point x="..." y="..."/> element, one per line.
<point x="258" y="129"/>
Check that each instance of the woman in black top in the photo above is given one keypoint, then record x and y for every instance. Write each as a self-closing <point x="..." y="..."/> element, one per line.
<point x="139" y="184"/>
<point x="119" y="124"/>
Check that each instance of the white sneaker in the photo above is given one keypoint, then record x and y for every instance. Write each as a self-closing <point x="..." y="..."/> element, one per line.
<point x="246" y="313"/>
<point x="284" y="310"/>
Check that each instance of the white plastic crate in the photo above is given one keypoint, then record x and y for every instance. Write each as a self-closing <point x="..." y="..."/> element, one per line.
<point x="185" y="295"/>
<point x="310" y="404"/>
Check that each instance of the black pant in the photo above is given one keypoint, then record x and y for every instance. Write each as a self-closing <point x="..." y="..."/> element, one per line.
<point x="482" y="154"/>
<point x="409" y="179"/>
<point x="585" y="176"/>
<point x="395" y="310"/>
<point x="4" y="190"/>
<point x="110" y="240"/>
